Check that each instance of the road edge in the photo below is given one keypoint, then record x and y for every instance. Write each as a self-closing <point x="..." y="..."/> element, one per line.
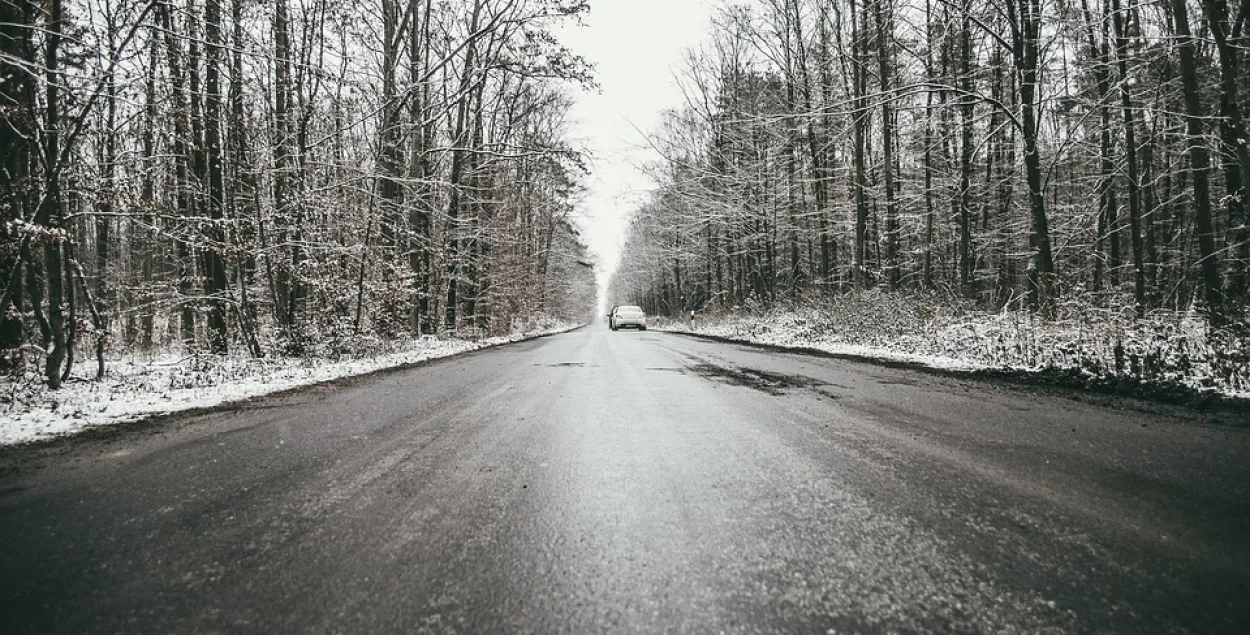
<point x="107" y="431"/>
<point x="1216" y="408"/>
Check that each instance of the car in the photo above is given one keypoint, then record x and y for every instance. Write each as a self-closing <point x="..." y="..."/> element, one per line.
<point x="627" y="317"/>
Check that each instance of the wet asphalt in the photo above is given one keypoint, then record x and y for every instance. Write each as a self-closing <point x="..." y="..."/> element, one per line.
<point x="599" y="482"/>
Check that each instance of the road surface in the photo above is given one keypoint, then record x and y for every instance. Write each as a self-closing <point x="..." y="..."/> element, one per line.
<point x="599" y="482"/>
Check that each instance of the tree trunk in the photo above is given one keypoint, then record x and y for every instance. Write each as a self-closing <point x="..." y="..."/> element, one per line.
<point x="50" y="214"/>
<point x="1200" y="165"/>
<point x="17" y="94"/>
<point x="1234" y="138"/>
<point x="1130" y="146"/>
<point x="144" y="242"/>
<point x="455" y="177"/>
<point x="419" y="170"/>
<point x="284" y="281"/>
<point x="927" y="267"/>
<point x="1026" y="50"/>
<point x="860" y="114"/>
<point x="182" y="180"/>
<point x="885" y="64"/>
<point x="104" y="205"/>
<point x="967" y="104"/>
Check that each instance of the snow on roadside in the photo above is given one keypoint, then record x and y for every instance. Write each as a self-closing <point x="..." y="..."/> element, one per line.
<point x="1138" y="353"/>
<point x="791" y="338"/>
<point x="136" y="387"/>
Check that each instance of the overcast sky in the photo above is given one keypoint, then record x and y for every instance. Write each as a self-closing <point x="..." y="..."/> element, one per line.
<point x="636" y="45"/>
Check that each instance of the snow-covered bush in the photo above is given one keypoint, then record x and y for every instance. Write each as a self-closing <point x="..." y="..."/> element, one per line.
<point x="1084" y="342"/>
<point x="139" y="385"/>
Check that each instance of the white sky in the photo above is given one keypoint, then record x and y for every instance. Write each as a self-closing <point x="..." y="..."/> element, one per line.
<point x="636" y="47"/>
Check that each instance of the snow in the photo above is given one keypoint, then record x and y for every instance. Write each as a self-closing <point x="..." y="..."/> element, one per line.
<point x="138" y="386"/>
<point x="1167" y="350"/>
<point x="778" y="335"/>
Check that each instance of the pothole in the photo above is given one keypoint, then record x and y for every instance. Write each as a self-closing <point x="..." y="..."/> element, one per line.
<point x="762" y="380"/>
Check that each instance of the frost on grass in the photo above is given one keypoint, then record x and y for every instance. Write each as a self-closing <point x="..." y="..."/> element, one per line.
<point x="1087" y="344"/>
<point x="138" y="385"/>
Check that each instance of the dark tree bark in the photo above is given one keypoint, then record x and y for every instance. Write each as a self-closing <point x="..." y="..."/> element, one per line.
<point x="104" y="204"/>
<point x="51" y="211"/>
<point x="860" y="115"/>
<point x="144" y="243"/>
<point x="967" y="104"/>
<point x="1108" y="207"/>
<point x="1026" y="47"/>
<point x="885" y="64"/>
<point x="821" y="161"/>
<point x="1234" y="138"/>
<point x="419" y="169"/>
<point x="214" y="270"/>
<point x="455" y="245"/>
<point x="1130" y="147"/>
<point x="390" y="158"/>
<point x="17" y="116"/>
<point x="927" y="267"/>
<point x="182" y="169"/>
<point x="1200" y="165"/>
<point x="283" y="281"/>
<point x="242" y="188"/>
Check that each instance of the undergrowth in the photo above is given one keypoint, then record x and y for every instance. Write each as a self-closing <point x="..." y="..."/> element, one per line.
<point x="1097" y="346"/>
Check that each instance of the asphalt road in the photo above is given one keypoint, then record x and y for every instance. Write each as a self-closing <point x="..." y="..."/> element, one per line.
<point x="636" y="483"/>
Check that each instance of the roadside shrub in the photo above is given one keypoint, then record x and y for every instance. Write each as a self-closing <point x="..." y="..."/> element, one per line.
<point x="1098" y="344"/>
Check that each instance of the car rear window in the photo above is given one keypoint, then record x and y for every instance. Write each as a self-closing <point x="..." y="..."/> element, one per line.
<point x="629" y="310"/>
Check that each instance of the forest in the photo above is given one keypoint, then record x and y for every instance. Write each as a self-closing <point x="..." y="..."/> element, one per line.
<point x="1063" y="159"/>
<point x="283" y="177"/>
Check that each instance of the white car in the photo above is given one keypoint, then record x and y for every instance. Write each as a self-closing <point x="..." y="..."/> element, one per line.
<point x="627" y="317"/>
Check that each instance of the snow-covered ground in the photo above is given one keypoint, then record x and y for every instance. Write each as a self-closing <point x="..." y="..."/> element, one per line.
<point x="138" y="386"/>
<point x="1172" y="350"/>
<point x="778" y="334"/>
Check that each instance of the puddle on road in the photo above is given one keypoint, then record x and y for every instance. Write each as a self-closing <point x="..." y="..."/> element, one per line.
<point x="764" y="381"/>
<point x="772" y="383"/>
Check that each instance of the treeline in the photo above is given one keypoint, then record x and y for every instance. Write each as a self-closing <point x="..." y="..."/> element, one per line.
<point x="277" y="176"/>
<point x="1010" y="152"/>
